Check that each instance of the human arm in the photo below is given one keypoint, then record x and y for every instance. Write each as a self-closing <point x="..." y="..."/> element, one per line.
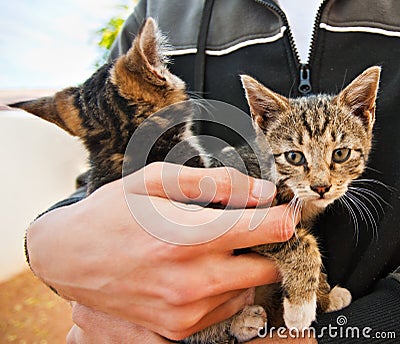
<point x="95" y="252"/>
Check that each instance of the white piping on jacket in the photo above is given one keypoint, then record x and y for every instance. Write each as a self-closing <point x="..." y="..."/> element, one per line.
<point x="229" y="49"/>
<point x="359" y="29"/>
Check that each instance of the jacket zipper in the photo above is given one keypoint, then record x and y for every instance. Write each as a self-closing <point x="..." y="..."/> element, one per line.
<point x="305" y="79"/>
<point x="305" y="69"/>
<point x="282" y="14"/>
<point x="304" y="86"/>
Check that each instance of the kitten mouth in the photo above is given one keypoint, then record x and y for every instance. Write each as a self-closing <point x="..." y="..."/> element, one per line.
<point x="318" y="200"/>
<point x="323" y="201"/>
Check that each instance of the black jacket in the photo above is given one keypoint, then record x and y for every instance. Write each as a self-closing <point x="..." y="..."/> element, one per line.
<point x="215" y="41"/>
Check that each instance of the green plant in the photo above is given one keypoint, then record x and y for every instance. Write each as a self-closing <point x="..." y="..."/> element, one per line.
<point x="106" y="35"/>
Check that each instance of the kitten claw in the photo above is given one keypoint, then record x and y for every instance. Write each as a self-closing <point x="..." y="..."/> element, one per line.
<point x="338" y="298"/>
<point x="247" y="324"/>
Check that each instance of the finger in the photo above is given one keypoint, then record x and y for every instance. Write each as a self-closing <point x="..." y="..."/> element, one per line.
<point x="160" y="317"/>
<point x="218" y="315"/>
<point x="240" y="272"/>
<point x="258" y="226"/>
<point x="200" y="185"/>
<point x="225" y="229"/>
<point x="222" y="275"/>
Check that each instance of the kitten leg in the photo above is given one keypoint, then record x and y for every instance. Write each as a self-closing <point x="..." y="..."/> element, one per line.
<point x="246" y="325"/>
<point x="299" y="262"/>
<point x="216" y="334"/>
<point x="330" y="300"/>
<point x="243" y="326"/>
<point x="339" y="298"/>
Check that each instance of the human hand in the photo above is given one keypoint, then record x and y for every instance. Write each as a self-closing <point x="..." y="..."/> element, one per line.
<point x="95" y="252"/>
<point x="94" y="327"/>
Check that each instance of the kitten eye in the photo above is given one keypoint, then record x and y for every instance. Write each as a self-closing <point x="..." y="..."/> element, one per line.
<point x="295" y="158"/>
<point x="341" y="155"/>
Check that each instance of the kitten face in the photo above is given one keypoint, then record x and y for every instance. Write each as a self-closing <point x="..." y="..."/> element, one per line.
<point x="318" y="150"/>
<point x="320" y="143"/>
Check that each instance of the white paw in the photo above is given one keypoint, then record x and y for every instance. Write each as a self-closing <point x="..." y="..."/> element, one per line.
<point x="299" y="316"/>
<point x="248" y="323"/>
<point x="338" y="299"/>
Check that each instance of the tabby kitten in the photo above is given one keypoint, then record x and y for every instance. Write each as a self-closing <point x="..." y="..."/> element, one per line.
<point x="320" y="144"/>
<point x="105" y="110"/>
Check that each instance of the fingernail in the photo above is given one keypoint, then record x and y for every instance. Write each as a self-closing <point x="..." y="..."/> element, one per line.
<point x="291" y="222"/>
<point x="288" y="232"/>
<point x="263" y="189"/>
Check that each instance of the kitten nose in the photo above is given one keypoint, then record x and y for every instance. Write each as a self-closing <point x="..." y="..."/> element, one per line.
<point x="320" y="189"/>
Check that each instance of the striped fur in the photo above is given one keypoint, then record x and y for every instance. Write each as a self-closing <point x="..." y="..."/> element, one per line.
<point x="316" y="126"/>
<point x="106" y="110"/>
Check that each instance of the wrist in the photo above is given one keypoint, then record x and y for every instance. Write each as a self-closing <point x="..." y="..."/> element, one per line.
<point x="46" y="243"/>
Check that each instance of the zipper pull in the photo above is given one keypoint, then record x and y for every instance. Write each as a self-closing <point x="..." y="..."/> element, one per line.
<point x="305" y="80"/>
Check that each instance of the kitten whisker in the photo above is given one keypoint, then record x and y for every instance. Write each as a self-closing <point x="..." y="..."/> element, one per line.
<point x="203" y="107"/>
<point x="370" y="215"/>
<point x="344" y="80"/>
<point x="195" y="95"/>
<point x="373" y="169"/>
<point x="353" y="215"/>
<point x="363" y="192"/>
<point x="374" y="181"/>
<point x="296" y="205"/>
<point x="358" y="206"/>
<point x="355" y="192"/>
<point x="291" y="89"/>
<point x="364" y="212"/>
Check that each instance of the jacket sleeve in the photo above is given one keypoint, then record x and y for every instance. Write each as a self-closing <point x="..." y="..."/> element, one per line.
<point x="373" y="318"/>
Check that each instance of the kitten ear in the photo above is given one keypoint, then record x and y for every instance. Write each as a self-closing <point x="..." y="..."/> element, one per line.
<point x="360" y="95"/>
<point x="147" y="53"/>
<point x="59" y="109"/>
<point x="265" y="105"/>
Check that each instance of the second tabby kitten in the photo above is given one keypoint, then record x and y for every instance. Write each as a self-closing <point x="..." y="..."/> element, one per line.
<point x="320" y="144"/>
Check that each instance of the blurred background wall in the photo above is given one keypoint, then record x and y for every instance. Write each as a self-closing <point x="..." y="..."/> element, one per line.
<point x="39" y="164"/>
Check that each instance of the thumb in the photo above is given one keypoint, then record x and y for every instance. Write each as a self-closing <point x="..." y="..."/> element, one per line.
<point x="223" y="185"/>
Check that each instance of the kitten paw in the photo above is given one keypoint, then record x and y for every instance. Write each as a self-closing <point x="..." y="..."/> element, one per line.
<point x="299" y="316"/>
<point x="246" y="325"/>
<point x="338" y="299"/>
